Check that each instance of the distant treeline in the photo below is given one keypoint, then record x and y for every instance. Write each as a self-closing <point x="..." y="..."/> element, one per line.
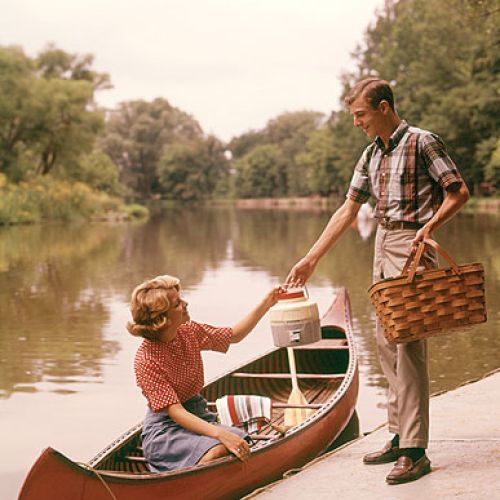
<point x="442" y="56"/>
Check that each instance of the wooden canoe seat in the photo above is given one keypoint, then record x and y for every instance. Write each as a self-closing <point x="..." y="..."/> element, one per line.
<point x="304" y="376"/>
<point x="283" y="405"/>
<point x="133" y="458"/>
<point x="324" y="344"/>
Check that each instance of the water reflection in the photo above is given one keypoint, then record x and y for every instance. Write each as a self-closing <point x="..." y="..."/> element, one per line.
<point x="51" y="305"/>
<point x="56" y="284"/>
<point x="185" y="242"/>
<point x="64" y="291"/>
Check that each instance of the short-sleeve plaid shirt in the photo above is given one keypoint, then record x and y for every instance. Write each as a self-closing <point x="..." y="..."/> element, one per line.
<point x="408" y="179"/>
<point x="172" y="372"/>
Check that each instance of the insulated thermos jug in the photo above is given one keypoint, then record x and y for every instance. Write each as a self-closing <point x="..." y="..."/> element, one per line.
<point x="294" y="319"/>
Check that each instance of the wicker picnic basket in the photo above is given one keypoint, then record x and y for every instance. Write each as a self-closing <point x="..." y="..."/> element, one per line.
<point x="421" y="304"/>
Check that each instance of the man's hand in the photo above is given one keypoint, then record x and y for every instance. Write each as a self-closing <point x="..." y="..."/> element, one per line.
<point x="422" y="234"/>
<point x="300" y="272"/>
<point x="456" y="196"/>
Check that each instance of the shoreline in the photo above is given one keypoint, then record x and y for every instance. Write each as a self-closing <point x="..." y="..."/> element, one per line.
<point x="307" y="204"/>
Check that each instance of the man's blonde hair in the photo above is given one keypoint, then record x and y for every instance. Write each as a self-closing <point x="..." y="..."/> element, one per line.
<point x="149" y="306"/>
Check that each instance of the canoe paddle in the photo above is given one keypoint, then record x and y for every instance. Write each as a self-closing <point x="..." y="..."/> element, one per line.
<point x="295" y="416"/>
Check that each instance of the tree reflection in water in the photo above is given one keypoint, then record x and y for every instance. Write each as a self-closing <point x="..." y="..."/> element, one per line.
<point x="57" y="281"/>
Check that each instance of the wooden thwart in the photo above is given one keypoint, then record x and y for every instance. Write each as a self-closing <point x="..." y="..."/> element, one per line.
<point x="285" y="405"/>
<point x="311" y="376"/>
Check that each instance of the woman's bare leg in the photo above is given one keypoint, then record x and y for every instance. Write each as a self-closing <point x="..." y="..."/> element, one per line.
<point x="217" y="451"/>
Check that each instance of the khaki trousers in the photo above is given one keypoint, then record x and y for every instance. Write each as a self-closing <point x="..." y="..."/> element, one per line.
<point x="405" y="365"/>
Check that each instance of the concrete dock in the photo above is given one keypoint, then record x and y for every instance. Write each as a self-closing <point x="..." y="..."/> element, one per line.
<point x="464" y="450"/>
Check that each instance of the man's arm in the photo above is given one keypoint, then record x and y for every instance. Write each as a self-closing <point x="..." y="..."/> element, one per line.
<point x="455" y="198"/>
<point x="337" y="225"/>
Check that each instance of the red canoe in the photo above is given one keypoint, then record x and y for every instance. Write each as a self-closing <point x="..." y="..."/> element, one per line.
<point x="328" y="375"/>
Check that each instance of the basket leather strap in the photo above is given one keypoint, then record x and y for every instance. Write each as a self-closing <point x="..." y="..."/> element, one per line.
<point x="416" y="255"/>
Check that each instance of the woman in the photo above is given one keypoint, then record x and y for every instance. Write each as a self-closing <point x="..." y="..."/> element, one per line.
<point x="178" y="430"/>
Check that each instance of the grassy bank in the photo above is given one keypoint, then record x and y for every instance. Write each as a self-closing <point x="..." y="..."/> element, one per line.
<point x="49" y="199"/>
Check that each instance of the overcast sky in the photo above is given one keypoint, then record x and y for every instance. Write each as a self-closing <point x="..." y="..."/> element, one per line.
<point x="232" y="64"/>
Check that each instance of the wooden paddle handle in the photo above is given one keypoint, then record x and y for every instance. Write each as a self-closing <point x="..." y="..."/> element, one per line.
<point x="293" y="369"/>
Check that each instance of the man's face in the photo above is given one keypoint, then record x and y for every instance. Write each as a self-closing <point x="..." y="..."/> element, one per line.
<point x="365" y="117"/>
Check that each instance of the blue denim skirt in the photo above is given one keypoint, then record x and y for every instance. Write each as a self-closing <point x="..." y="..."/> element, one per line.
<point x="168" y="446"/>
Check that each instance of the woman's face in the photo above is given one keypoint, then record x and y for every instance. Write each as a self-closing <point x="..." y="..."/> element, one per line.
<point x="177" y="313"/>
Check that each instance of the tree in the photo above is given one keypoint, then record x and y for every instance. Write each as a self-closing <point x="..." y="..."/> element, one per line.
<point x="492" y="169"/>
<point x="287" y="133"/>
<point x="243" y="144"/>
<point x="261" y="173"/>
<point x="290" y="132"/>
<point x="16" y="114"/>
<point x="192" y="171"/>
<point x="99" y="172"/>
<point x="138" y="132"/>
<point x="66" y="128"/>
<point x="44" y="118"/>
<point x="56" y="63"/>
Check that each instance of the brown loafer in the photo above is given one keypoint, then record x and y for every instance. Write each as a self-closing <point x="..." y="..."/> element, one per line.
<point x="387" y="454"/>
<point x="407" y="470"/>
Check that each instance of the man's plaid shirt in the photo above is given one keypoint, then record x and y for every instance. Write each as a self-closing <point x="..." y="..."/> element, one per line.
<point x="407" y="180"/>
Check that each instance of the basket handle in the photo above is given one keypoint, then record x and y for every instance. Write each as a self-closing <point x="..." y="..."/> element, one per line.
<point x="417" y="254"/>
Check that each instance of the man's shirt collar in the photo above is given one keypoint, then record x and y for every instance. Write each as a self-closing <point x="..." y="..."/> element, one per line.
<point x="396" y="136"/>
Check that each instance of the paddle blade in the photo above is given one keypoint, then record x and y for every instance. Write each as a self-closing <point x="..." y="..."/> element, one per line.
<point x="295" y="416"/>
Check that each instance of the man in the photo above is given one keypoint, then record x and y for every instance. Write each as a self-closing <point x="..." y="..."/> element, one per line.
<point x="417" y="188"/>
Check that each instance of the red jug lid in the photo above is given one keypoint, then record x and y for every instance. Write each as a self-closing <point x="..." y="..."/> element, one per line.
<point x="292" y="294"/>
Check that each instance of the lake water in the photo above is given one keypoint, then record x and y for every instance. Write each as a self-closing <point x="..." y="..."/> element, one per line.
<point x="66" y="376"/>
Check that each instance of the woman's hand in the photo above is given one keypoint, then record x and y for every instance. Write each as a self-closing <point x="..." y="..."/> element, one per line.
<point x="272" y="297"/>
<point x="234" y="444"/>
<point x="248" y="323"/>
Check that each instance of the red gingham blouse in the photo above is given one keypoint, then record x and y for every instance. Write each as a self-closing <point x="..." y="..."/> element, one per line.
<point x="172" y="372"/>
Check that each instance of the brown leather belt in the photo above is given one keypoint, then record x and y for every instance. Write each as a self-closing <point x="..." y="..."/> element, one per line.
<point x="400" y="224"/>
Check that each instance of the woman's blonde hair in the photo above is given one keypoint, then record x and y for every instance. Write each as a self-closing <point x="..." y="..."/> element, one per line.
<point x="149" y="306"/>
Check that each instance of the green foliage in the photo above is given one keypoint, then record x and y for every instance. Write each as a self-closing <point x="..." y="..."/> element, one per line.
<point x="47" y="117"/>
<point x="137" y="134"/>
<point x="330" y="154"/>
<point x="99" y="172"/>
<point x="287" y="134"/>
<point x="190" y="172"/>
<point x="261" y="173"/>
<point x="56" y="63"/>
<point x="290" y="132"/>
<point x="136" y="211"/>
<point x="67" y="128"/>
<point x="441" y="56"/>
<point x="244" y="143"/>
<point x="46" y="198"/>
<point x="492" y="169"/>
<point x="318" y="161"/>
